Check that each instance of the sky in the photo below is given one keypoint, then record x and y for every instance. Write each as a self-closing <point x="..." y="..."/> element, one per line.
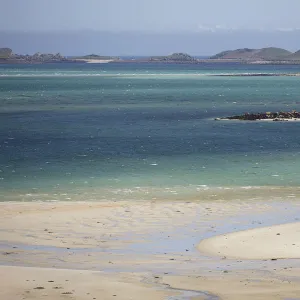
<point x="216" y="19"/>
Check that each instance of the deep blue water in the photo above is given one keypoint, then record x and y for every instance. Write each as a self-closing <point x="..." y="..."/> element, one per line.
<point x="112" y="129"/>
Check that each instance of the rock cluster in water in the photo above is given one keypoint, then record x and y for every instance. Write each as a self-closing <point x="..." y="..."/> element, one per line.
<point x="7" y="56"/>
<point x="275" y="116"/>
<point x="40" y="57"/>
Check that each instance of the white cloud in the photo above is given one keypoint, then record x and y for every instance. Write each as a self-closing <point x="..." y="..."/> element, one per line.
<point x="201" y="27"/>
<point x="224" y="28"/>
<point x="214" y="28"/>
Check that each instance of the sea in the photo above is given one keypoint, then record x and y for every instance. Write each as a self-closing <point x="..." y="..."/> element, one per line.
<point x="122" y="131"/>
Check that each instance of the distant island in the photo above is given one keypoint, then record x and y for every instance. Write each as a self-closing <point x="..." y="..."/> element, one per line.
<point x="8" y="57"/>
<point x="265" y="116"/>
<point x="269" y="55"/>
<point x="175" y="57"/>
<point x="266" y="55"/>
<point x="5" y="53"/>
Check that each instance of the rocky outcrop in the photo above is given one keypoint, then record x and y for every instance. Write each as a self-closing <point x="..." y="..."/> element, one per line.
<point x="5" y="53"/>
<point x="175" y="57"/>
<point x="275" y="116"/>
<point x="39" y="58"/>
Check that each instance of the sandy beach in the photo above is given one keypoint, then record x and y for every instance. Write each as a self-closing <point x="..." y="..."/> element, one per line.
<point x="94" y="61"/>
<point x="117" y="183"/>
<point x="275" y="242"/>
<point x="38" y="283"/>
<point x="149" y="250"/>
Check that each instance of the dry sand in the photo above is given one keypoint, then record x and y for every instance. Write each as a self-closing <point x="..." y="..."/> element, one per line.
<point x="275" y="242"/>
<point x="138" y="250"/>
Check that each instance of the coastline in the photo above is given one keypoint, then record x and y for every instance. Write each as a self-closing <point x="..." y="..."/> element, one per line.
<point x="94" y="61"/>
<point x="106" y="188"/>
<point x="128" y="248"/>
<point x="146" y="61"/>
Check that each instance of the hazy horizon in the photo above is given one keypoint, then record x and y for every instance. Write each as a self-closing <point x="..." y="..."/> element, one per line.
<point x="134" y="27"/>
<point x="134" y="43"/>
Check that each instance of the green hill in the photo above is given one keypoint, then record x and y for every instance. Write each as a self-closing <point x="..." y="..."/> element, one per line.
<point x="175" y="57"/>
<point x="270" y="53"/>
<point x="5" y="53"/>
<point x="235" y="54"/>
<point x="273" y="53"/>
<point x="295" y="56"/>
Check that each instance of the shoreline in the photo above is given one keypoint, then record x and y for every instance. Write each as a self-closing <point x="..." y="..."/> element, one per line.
<point x="143" y="246"/>
<point x="143" y="61"/>
<point x="94" y="61"/>
<point x="144" y="193"/>
<point x="273" y="242"/>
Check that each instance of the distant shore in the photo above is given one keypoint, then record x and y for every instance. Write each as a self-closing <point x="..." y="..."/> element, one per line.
<point x="93" y="61"/>
<point x="264" y="56"/>
<point x="150" y="61"/>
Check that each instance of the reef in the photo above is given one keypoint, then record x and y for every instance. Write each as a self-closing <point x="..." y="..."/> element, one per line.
<point x="272" y="116"/>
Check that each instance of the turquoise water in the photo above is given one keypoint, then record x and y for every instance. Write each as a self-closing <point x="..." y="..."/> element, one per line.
<point x="121" y="131"/>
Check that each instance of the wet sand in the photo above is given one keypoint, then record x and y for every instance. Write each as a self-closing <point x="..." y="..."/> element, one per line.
<point x="139" y="249"/>
<point x="240" y="286"/>
<point x="54" y="284"/>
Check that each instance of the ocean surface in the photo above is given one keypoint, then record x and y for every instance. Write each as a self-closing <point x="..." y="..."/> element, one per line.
<point x="143" y="131"/>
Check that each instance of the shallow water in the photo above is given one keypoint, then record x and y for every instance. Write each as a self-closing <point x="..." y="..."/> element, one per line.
<point x="122" y="131"/>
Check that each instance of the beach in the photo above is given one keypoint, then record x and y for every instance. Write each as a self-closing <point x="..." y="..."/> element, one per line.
<point x="149" y="249"/>
<point x="275" y="242"/>
<point x="94" y="61"/>
<point x="40" y="283"/>
<point x="117" y="183"/>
